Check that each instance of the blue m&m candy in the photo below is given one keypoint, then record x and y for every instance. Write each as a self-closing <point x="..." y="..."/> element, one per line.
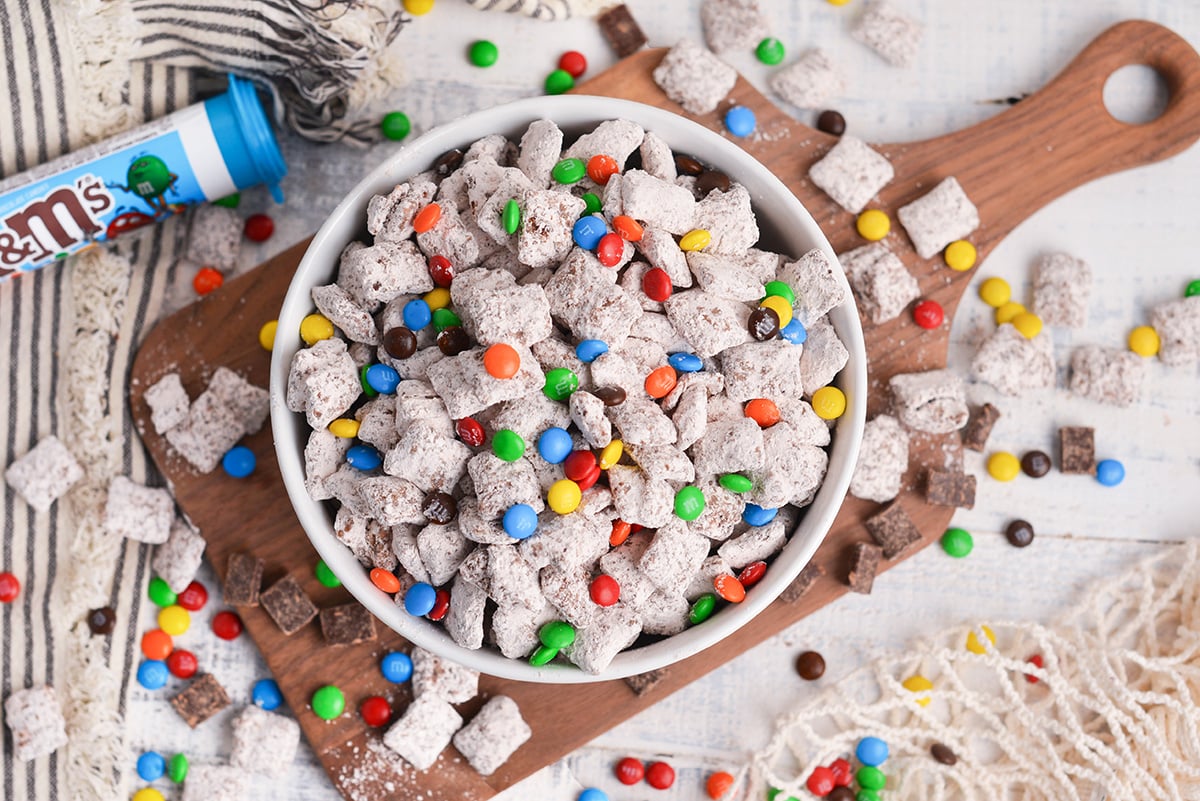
<point x="151" y="766"/>
<point x="1110" y="472"/>
<point x="363" y="457"/>
<point x="266" y="695"/>
<point x="397" y="667"/>
<point x="520" y="521"/>
<point x="554" y="445"/>
<point x="589" y="350"/>
<point x="588" y="231"/>
<point x="383" y="379"/>
<point x="152" y="674"/>
<point x="419" y="599"/>
<point x="871" y="751"/>
<point x="755" y="515"/>
<point x="740" y="121"/>
<point x="417" y="314"/>
<point x="794" y="332"/>
<point x="238" y="461"/>
<point x="686" y="362"/>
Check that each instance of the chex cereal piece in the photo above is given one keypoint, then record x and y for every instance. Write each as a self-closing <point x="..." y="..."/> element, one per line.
<point x="376" y="274"/>
<point x="613" y="630"/>
<point x="392" y="501"/>
<point x="732" y="24"/>
<point x="673" y="556"/>
<point x="729" y="219"/>
<point x="617" y="139"/>
<point x="514" y="185"/>
<point x="823" y="356"/>
<point x="810" y="81"/>
<point x="1061" y="286"/>
<point x="212" y="427"/>
<point x="347" y="624"/>
<point x="442" y="549"/>
<point x="979" y="427"/>
<point x="851" y="173"/>
<point x="379" y="543"/>
<point x="1178" y="325"/>
<point x="408" y="555"/>
<point x="728" y="447"/>
<point x="200" y="700"/>
<point x="640" y="421"/>
<point x="657" y="328"/>
<point x="587" y="413"/>
<point x="567" y="541"/>
<point x="250" y="403"/>
<point x="722" y="512"/>
<point x="690" y="416"/>
<point x="934" y="401"/>
<point x="1013" y="364"/>
<point x="883" y="284"/>
<point x="694" y="78"/>
<point x="756" y="544"/>
<point x="452" y="238"/>
<point x="168" y="402"/>
<point x="36" y="722"/>
<point x="177" y="560"/>
<point x="939" y="217"/>
<point x="665" y="614"/>
<point x="442" y="678"/>
<point x="323" y="382"/>
<point x="768" y="369"/>
<point x="495" y="147"/>
<point x="390" y="216"/>
<point x="709" y="322"/>
<point x="567" y="590"/>
<point x="428" y="458"/>
<point x="1107" y="375"/>
<point x="423" y="731"/>
<point x="587" y="302"/>
<point x="864" y="564"/>
<point x="810" y="429"/>
<point x="215" y="237"/>
<point x="882" y="460"/>
<point x="288" y="605"/>
<point x="553" y="353"/>
<point x="1077" y="445"/>
<point x="657" y="158"/>
<point x="622" y="564"/>
<point x="481" y="178"/>
<point x="642" y="683"/>
<point x="662" y="251"/>
<point x="665" y="461"/>
<point x="612" y="203"/>
<point x="802" y="584"/>
<point x="791" y="471"/>
<point x="947" y="488"/>
<point x="465" y="386"/>
<point x="818" y="282"/>
<point x="500" y="484"/>
<point x="544" y="238"/>
<point x="354" y="321"/>
<point x="541" y="146"/>
<point x="493" y="735"/>
<point x="702" y="582"/>
<point x="44" y="474"/>
<point x="215" y="783"/>
<point x="658" y="203"/>
<point x="893" y="530"/>
<point x="264" y="742"/>
<point x="377" y="423"/>
<point x="477" y="528"/>
<point x="889" y="32"/>
<point x="137" y="512"/>
<point x="621" y="31"/>
<point x="511" y="580"/>
<point x="515" y="627"/>
<point x="464" y="621"/>
<point x="725" y="276"/>
<point x="243" y="578"/>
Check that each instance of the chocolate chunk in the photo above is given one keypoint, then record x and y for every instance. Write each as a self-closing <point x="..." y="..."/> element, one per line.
<point x="943" y="754"/>
<point x="763" y="324"/>
<point x="802" y="583"/>
<point x="810" y="665"/>
<point x="1078" y="449"/>
<point x="944" y="488"/>
<point x="202" y="699"/>
<point x="347" y="624"/>
<point x="621" y="31"/>
<point x="1036" y="464"/>
<point x="439" y="508"/>
<point x="710" y="180"/>
<point x="894" y="530"/>
<point x="453" y="340"/>
<point x="243" y="579"/>
<point x="979" y="427"/>
<point x="102" y="620"/>
<point x="1019" y="533"/>
<point x="831" y="122"/>
<point x="863" y="566"/>
<point x="643" y="683"/>
<point x="400" y="342"/>
<point x="288" y="605"/>
<point x="612" y="396"/>
<point x="686" y="165"/>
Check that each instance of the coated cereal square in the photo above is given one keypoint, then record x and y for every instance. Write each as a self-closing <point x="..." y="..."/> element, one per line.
<point x="168" y="402"/>
<point x="493" y="735"/>
<point x="883" y="284"/>
<point x="889" y="32"/>
<point x="138" y="512"/>
<point x="1061" y="287"/>
<point x="44" y="474"/>
<point x="177" y="560"/>
<point x="442" y="678"/>
<point x="810" y="81"/>
<point x="264" y="742"/>
<point x="732" y="24"/>
<point x="1107" y="375"/>
<point x="36" y="722"/>
<point x="852" y="173"/>
<point x="423" y="731"/>
<point x="694" y="78"/>
<point x="938" y="218"/>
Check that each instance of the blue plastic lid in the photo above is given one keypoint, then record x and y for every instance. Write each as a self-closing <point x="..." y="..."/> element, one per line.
<point x="245" y="138"/>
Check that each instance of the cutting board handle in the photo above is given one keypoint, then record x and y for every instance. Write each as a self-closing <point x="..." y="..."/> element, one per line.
<point x="1063" y="135"/>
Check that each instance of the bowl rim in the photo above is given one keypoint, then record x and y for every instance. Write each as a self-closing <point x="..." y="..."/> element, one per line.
<point x="319" y="264"/>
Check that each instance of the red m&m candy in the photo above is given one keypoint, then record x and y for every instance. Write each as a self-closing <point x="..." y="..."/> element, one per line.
<point x="469" y="431"/>
<point x="928" y="314"/>
<point x="259" y="227"/>
<point x="573" y="63"/>
<point x="657" y="284"/>
<point x="227" y="625"/>
<point x="182" y="664"/>
<point x="610" y="250"/>
<point x="207" y="280"/>
<point x="441" y="271"/>
<point x="10" y="588"/>
<point x="604" y="590"/>
<point x="842" y="773"/>
<point x="629" y="771"/>
<point x="376" y="711"/>
<point x="578" y="464"/>
<point x="821" y="782"/>
<point x="441" y="605"/>
<point x="660" y="775"/>
<point x="193" y="598"/>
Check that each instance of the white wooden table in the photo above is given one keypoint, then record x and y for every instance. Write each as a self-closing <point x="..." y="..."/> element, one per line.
<point x="1137" y="230"/>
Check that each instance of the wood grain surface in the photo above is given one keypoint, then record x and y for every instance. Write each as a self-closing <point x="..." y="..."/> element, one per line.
<point x="1010" y="166"/>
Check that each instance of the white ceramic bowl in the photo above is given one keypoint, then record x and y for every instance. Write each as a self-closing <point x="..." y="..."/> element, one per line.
<point x="786" y="227"/>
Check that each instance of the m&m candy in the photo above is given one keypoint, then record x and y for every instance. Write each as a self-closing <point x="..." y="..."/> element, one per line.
<point x="238" y="461"/>
<point x="573" y="63"/>
<point x="519" y="522"/>
<point x="396" y="667"/>
<point x="419" y="599"/>
<point x="227" y="625"/>
<point x="375" y="711"/>
<point x="182" y="664"/>
<point x="151" y="766"/>
<point x="328" y="702"/>
<point x="152" y="674"/>
<point x="554" y="445"/>
<point x="266" y="694"/>
<point x="501" y="361"/>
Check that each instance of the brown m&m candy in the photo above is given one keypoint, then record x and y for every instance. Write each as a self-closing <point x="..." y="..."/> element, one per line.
<point x="943" y="754"/>
<point x="1035" y="464"/>
<point x="763" y="323"/>
<point x="448" y="162"/>
<point x="453" y="340"/>
<point x="686" y="165"/>
<point x="439" y="507"/>
<point x="841" y="793"/>
<point x="611" y="396"/>
<point x="810" y="665"/>
<point x="102" y="620"/>
<point x="400" y="342"/>
<point x="1019" y="533"/>
<point x="831" y="122"/>
<point x="710" y="180"/>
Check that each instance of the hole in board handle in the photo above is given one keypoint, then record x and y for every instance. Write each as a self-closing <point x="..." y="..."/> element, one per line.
<point x="1136" y="94"/>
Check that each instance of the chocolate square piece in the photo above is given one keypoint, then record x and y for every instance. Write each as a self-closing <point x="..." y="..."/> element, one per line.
<point x="621" y="31"/>
<point x="894" y="530"/>
<point x="642" y="683"/>
<point x="864" y="565"/>
<point x="979" y="427"/>
<point x="1078" y="449"/>
<point x="347" y="624"/>
<point x="288" y="605"/>
<point x="202" y="699"/>
<point x="242" y="580"/>
<point x="944" y="488"/>
<point x="802" y="583"/>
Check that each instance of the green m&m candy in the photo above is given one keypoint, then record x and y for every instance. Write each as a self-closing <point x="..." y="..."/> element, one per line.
<point x="511" y="216"/>
<point x="558" y="82"/>
<point x="870" y="778"/>
<point x="689" y="503"/>
<point x="229" y="201"/>
<point x="508" y="445"/>
<point x="569" y="171"/>
<point x="326" y="576"/>
<point x="557" y="635"/>
<point x="444" y="318"/>
<point x="560" y="383"/>
<point x="782" y="290"/>
<point x="160" y="593"/>
<point x="1193" y="289"/>
<point x="328" y="702"/>
<point x="483" y="53"/>
<point x="770" y="51"/>
<point x="542" y="655"/>
<point x="177" y="768"/>
<point x="395" y="125"/>
<point x="703" y="608"/>
<point x="957" y="542"/>
<point x="735" y="482"/>
<point x="592" y="203"/>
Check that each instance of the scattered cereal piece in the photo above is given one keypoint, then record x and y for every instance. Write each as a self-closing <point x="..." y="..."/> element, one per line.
<point x="177" y="560"/>
<point x="215" y="237"/>
<point x="694" y="78"/>
<point x="889" y="32"/>
<point x="137" y="512"/>
<point x="732" y="24"/>
<point x="168" y="402"/>
<point x="44" y="474"/>
<point x="200" y="700"/>
<point x="1013" y="364"/>
<point x="1078" y="449"/>
<point x="1061" y="286"/>
<point x="215" y="783"/>
<point x="852" y="173"/>
<point x="810" y="81"/>
<point x="882" y="282"/>
<point x="423" y="731"/>
<point x="1178" y="325"/>
<point x="493" y="735"/>
<point x="1106" y="375"/>
<point x="36" y="722"/>
<point x="939" y="217"/>
<point x="264" y="742"/>
<point x="882" y="460"/>
<point x="933" y="401"/>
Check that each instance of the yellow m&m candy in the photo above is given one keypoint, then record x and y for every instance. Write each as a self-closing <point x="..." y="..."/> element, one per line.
<point x="314" y="328"/>
<point x="344" y="427"/>
<point x="266" y="336"/>
<point x="995" y="292"/>
<point x="917" y="683"/>
<point x="960" y="255"/>
<point x="1028" y="323"/>
<point x="1003" y="466"/>
<point x="780" y="306"/>
<point x="564" y="496"/>
<point x="829" y="403"/>
<point x="873" y="225"/>
<point x="1144" y="341"/>
<point x="977" y="647"/>
<point x="174" y="620"/>
<point x="1008" y="311"/>
<point x="695" y="240"/>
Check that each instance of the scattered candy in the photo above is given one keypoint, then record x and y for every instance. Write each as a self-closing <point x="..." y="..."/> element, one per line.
<point x="363" y="457"/>
<point x="661" y="381"/>
<point x="591" y="203"/>
<point x="177" y="768"/>
<point x="564" y="496"/>
<point x="592" y="794"/>
<point x="1029" y="324"/>
<point x="328" y="702"/>
<point x="207" y="280"/>
<point x="729" y="588"/>
<point x="397" y="667"/>
<point x="763" y="323"/>
<point x="770" y="51"/>
<point x="794" y="332"/>
<point x="375" y="711"/>
<point x="718" y="784"/>
<point x="870" y="777"/>
<point x="630" y="229"/>
<point x="520" y="521"/>
<point x="385" y="580"/>
<point x="325" y="575"/>
<point x="400" y="342"/>
<point x="871" y="751"/>
<point x="660" y="775"/>
<point x="182" y="664"/>
<point x="601" y="167"/>
<point x="756" y="515"/>
<point x="1003" y="466"/>
<point x="829" y="403"/>
<point x="560" y="383"/>
<point x="440" y="269"/>
<point x="1193" y="289"/>
<point x="558" y="82"/>
<point x="259" y="228"/>
<point x="542" y="655"/>
<point x="501" y="360"/>
<point x="995" y="292"/>
<point x="314" y="328"/>
<point x="957" y="542"/>
<point x="943" y="754"/>
<point x="266" y="694"/>
<point x="873" y="225"/>
<point x="1144" y="341"/>
<point x="831" y="122"/>
<point x="573" y="63"/>
<point x="152" y="674"/>
<point x="1036" y="464"/>
<point x="782" y="308"/>
<point x="611" y="395"/>
<point x="810" y="665"/>
<point x="395" y="125"/>
<point x="1037" y="661"/>
<point x="752" y="573"/>
<point x="160" y="593"/>
<point x="973" y="643"/>
<point x="174" y="620"/>
<point x="604" y="590"/>
<point x="695" y="240"/>
<point x="156" y="644"/>
<point x="227" y="625"/>
<point x="507" y="445"/>
<point x="102" y="620"/>
<point x="419" y="599"/>
<point x="483" y="53"/>
<point x="689" y="503"/>
<point x="470" y="431"/>
<point x="266" y="334"/>
<point x="740" y="121"/>
<point x="702" y="608"/>
<point x="1110" y="472"/>
<point x="1008" y="311"/>
<point x="151" y="766"/>
<point x="842" y="774"/>
<point x="656" y="283"/>
<point x="437" y="298"/>
<point x="439" y="507"/>
<point x="418" y="8"/>
<point x="960" y="255"/>
<point x="928" y="314"/>
<point x="148" y="794"/>
<point x="610" y="250"/>
<point x="686" y="362"/>
<point x="588" y="231"/>
<point x="589" y="350"/>
<point x="820" y="781"/>
<point x="238" y="461"/>
<point x="1019" y="533"/>
<point x="918" y="684"/>
<point x="629" y="771"/>
<point x="554" y="445"/>
<point x="762" y="411"/>
<point x="443" y="320"/>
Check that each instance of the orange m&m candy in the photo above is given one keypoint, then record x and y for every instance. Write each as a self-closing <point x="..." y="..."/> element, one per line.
<point x="601" y="167"/>
<point x="661" y="381"/>
<point x="157" y="644"/>
<point x="385" y="580"/>
<point x="630" y="229"/>
<point x="427" y="218"/>
<point x="763" y="411"/>
<point x="729" y="588"/>
<point x="501" y="361"/>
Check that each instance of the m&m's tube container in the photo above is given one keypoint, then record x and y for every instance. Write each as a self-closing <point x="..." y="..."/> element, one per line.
<point x="201" y="153"/>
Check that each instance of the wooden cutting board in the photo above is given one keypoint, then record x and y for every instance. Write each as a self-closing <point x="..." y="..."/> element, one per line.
<point x="1010" y="166"/>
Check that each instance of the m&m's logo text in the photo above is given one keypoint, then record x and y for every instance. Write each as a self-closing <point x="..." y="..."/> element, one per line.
<point x="53" y="224"/>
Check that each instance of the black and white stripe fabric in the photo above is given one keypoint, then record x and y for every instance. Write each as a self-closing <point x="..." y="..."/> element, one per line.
<point x="548" y="10"/>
